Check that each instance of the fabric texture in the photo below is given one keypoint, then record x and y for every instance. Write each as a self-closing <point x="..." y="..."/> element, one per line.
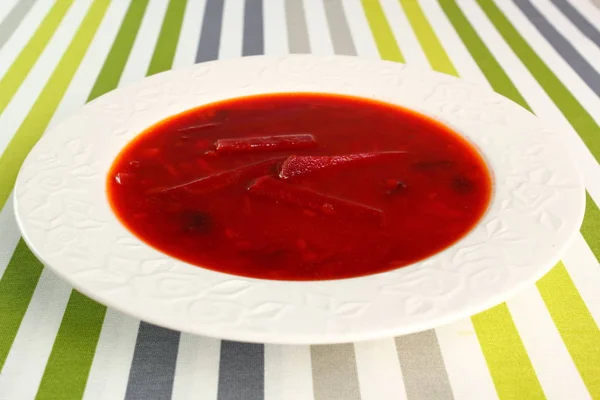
<point x="56" y="55"/>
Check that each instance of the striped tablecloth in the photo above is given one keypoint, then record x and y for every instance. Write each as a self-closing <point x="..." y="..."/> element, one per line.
<point x="57" y="344"/>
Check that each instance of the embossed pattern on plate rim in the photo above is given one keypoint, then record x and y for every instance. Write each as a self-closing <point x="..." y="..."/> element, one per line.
<point x="63" y="213"/>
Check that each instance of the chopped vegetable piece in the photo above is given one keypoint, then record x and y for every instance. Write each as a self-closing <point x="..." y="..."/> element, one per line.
<point x="348" y="203"/>
<point x="200" y="126"/>
<point x="300" y="165"/>
<point x="222" y="180"/>
<point x="429" y="165"/>
<point x="269" y="187"/>
<point x="266" y="143"/>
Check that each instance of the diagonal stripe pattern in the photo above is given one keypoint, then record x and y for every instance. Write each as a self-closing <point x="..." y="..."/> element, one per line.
<point x="421" y="366"/>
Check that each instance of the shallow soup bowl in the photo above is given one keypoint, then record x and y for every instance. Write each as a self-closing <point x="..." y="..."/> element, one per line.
<point x="536" y="208"/>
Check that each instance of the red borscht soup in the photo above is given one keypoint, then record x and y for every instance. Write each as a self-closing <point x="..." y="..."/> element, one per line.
<point x="299" y="186"/>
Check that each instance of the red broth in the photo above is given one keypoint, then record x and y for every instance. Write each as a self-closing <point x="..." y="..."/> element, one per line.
<point x="299" y="186"/>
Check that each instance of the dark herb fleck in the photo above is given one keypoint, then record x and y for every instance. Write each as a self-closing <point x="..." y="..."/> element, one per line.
<point x="463" y="185"/>
<point x="399" y="188"/>
<point x="197" y="222"/>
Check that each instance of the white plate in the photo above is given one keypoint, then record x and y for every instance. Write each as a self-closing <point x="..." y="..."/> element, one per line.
<point x="63" y="212"/>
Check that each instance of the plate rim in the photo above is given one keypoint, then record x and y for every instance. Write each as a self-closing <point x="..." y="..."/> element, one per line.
<point x="302" y="67"/>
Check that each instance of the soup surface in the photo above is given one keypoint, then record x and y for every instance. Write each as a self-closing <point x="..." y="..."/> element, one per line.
<point x="299" y="186"/>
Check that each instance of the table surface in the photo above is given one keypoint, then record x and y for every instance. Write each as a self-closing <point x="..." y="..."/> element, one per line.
<point x="57" y="344"/>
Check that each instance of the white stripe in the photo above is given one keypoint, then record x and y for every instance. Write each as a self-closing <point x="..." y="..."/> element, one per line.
<point x="458" y="53"/>
<point x="288" y="373"/>
<point x="465" y="364"/>
<point x="23" y="33"/>
<point x="379" y="372"/>
<point x="85" y="77"/>
<point x="318" y="29"/>
<point x="190" y="33"/>
<point x="21" y="103"/>
<point x="232" y="30"/>
<point x="584" y="270"/>
<point x="33" y="343"/>
<point x="551" y="361"/>
<point x="9" y="234"/>
<point x="145" y="41"/>
<point x="578" y="40"/>
<point x="539" y="101"/>
<point x="276" y="35"/>
<point x="29" y="353"/>
<point x="5" y="7"/>
<point x="552" y="59"/>
<point x="359" y="28"/>
<point x="405" y="37"/>
<point x="588" y="10"/>
<point x="75" y="96"/>
<point x="109" y="372"/>
<point x="197" y="369"/>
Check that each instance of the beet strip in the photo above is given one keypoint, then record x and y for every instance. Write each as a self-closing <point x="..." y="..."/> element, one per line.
<point x="299" y="165"/>
<point x="266" y="143"/>
<point x="222" y="180"/>
<point x="272" y="188"/>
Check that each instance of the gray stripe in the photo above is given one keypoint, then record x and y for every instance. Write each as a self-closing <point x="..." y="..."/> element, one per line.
<point x="297" y="30"/>
<point x="153" y="366"/>
<point x="241" y="371"/>
<point x="254" y="42"/>
<point x="338" y="27"/>
<point x="561" y="45"/>
<point x="210" y="35"/>
<point x="334" y="372"/>
<point x="423" y="368"/>
<point x="13" y="19"/>
<point x="579" y="20"/>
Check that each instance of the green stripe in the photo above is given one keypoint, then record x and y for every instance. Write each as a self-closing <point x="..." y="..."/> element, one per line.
<point x="65" y="376"/>
<point x="17" y="274"/>
<point x="501" y="344"/>
<point x="505" y="354"/>
<point x="490" y="67"/>
<point x="579" y="118"/>
<point x="83" y="318"/>
<point x="437" y="56"/>
<point x="384" y="38"/>
<point x="575" y="324"/>
<point x="164" y="53"/>
<point x="16" y="287"/>
<point x="113" y="67"/>
<point x="591" y="226"/>
<point x="27" y="58"/>
<point x="557" y="288"/>
<point x="44" y="107"/>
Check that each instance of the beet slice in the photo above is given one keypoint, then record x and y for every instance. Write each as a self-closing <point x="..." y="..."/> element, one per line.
<point x="301" y="165"/>
<point x="266" y="143"/>
<point x="272" y="188"/>
<point x="222" y="180"/>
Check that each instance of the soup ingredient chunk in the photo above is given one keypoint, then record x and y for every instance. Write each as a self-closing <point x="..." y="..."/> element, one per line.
<point x="299" y="186"/>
